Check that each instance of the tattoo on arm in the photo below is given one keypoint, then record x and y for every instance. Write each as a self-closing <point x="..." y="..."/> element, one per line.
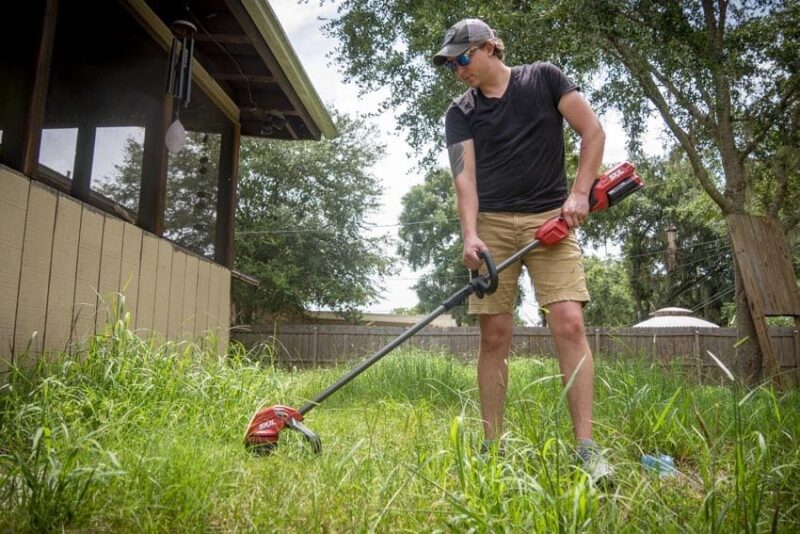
<point x="456" y="153"/>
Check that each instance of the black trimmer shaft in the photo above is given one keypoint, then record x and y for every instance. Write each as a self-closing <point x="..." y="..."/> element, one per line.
<point x="480" y="285"/>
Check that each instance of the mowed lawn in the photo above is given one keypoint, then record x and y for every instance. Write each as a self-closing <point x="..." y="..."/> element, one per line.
<point x="133" y="437"/>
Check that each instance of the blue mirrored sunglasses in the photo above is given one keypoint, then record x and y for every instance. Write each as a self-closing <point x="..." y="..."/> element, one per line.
<point x="463" y="60"/>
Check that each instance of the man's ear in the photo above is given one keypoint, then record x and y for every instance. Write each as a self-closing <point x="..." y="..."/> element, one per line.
<point x="489" y="48"/>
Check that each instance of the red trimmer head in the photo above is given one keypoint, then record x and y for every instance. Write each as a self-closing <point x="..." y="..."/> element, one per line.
<point x="264" y="428"/>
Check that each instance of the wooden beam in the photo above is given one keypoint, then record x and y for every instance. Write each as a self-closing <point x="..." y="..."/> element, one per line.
<point x="755" y="243"/>
<point x="226" y="195"/>
<point x="246" y="278"/>
<point x="797" y="351"/>
<point x="761" y="248"/>
<point x="260" y="112"/>
<point x="251" y="78"/>
<point x="84" y="157"/>
<point x="756" y="305"/>
<point x="153" y="193"/>
<point x="291" y="130"/>
<point x="232" y="38"/>
<point x="41" y="81"/>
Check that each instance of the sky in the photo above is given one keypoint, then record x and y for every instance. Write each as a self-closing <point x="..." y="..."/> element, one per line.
<point x="395" y="170"/>
<point x="313" y="48"/>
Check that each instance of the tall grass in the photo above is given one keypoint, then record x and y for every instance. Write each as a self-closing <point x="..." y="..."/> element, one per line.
<point x="131" y="435"/>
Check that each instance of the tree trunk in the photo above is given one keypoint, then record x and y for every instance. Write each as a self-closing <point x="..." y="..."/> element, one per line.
<point x="749" y="362"/>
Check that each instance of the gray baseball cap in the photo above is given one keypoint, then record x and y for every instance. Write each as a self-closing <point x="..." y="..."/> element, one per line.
<point x="460" y="37"/>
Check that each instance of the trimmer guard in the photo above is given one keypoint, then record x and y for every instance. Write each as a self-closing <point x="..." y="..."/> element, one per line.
<point x="264" y="428"/>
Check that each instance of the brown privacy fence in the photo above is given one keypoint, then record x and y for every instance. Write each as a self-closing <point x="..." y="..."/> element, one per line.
<point x="314" y="345"/>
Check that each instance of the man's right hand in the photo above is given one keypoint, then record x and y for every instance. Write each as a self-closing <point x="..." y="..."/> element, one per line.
<point x="471" y="259"/>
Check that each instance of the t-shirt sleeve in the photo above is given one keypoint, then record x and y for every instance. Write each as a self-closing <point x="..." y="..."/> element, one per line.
<point x="456" y="126"/>
<point x="558" y="82"/>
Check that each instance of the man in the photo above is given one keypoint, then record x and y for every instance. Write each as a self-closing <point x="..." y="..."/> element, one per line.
<point x="505" y="140"/>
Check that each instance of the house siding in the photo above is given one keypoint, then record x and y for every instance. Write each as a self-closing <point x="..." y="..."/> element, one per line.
<point x="62" y="263"/>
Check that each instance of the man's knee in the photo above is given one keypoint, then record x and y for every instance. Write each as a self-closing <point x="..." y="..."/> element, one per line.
<point x="496" y="332"/>
<point x="566" y="321"/>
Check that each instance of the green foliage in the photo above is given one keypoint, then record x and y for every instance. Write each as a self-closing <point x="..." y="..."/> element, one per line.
<point x="612" y="301"/>
<point x="722" y="76"/>
<point x="53" y="480"/>
<point x="699" y="273"/>
<point x="149" y="438"/>
<point x="430" y="239"/>
<point x="191" y="202"/>
<point x="301" y="223"/>
<point x="300" y="219"/>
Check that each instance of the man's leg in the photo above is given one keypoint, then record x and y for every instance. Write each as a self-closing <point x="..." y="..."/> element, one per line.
<point x="566" y="324"/>
<point x="496" y="332"/>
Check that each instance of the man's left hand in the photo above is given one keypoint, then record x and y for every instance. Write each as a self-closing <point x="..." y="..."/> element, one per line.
<point x="575" y="209"/>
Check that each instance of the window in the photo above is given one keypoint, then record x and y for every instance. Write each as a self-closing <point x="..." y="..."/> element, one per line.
<point x="117" y="164"/>
<point x="57" y="150"/>
<point x="106" y="85"/>
<point x="191" y="207"/>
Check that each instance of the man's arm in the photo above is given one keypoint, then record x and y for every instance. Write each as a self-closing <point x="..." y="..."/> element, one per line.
<point x="462" y="165"/>
<point x="574" y="107"/>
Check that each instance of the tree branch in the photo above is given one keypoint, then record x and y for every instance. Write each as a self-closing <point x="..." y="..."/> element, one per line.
<point x="767" y="121"/>
<point x="785" y="164"/>
<point x="732" y="160"/>
<point x="642" y="73"/>
<point x="703" y="118"/>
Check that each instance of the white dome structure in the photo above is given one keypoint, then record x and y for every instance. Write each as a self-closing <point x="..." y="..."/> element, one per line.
<point x="674" y="318"/>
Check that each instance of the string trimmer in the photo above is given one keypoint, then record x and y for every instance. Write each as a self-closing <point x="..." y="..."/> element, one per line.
<point x="265" y="426"/>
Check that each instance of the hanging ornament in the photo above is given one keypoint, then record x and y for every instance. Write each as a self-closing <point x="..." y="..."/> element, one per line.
<point x="176" y="137"/>
<point x="179" y="79"/>
<point x="179" y="76"/>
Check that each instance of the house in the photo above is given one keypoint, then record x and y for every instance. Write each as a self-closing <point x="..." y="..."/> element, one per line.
<point x="74" y="70"/>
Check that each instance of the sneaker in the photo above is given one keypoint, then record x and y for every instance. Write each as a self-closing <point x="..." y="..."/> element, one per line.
<point x="599" y="470"/>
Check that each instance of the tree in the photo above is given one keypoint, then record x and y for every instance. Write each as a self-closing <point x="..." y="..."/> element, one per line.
<point x="612" y="303"/>
<point x="722" y="76"/>
<point x="672" y="241"/>
<point x="429" y="239"/>
<point x="301" y="223"/>
<point x="191" y="203"/>
<point x="300" y="216"/>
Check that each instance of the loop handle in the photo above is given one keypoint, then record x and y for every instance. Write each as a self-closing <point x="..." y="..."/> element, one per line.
<point x="485" y="284"/>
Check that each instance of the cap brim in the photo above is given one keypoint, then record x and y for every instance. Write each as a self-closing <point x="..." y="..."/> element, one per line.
<point x="451" y="50"/>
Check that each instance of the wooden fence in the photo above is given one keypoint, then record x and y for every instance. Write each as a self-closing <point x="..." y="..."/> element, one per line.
<point x="315" y="345"/>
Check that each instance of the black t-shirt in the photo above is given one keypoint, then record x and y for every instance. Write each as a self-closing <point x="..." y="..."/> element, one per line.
<point x="519" y="140"/>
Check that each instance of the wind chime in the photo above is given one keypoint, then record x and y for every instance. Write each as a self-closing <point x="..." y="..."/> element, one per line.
<point x="179" y="79"/>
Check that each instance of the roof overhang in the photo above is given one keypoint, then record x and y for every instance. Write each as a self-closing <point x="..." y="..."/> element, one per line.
<point x="241" y="46"/>
<point x="272" y="32"/>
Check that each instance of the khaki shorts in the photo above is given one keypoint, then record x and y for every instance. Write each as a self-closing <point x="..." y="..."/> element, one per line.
<point x="556" y="272"/>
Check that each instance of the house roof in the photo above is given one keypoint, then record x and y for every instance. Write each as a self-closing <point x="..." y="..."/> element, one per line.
<point x="241" y="45"/>
<point x="674" y="317"/>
